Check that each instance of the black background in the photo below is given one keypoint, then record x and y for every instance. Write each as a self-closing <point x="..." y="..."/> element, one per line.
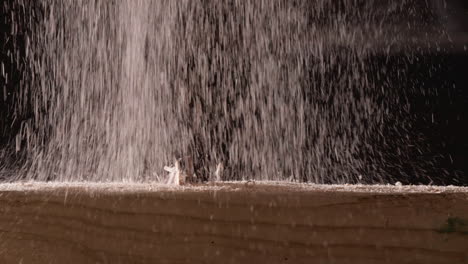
<point x="440" y="114"/>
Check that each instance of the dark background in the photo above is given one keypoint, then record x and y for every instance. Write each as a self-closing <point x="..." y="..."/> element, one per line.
<point x="439" y="106"/>
<point x="17" y="22"/>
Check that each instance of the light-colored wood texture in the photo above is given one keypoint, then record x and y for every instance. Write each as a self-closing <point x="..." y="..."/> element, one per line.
<point x="236" y="223"/>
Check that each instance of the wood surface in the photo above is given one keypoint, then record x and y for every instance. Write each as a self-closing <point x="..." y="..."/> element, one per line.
<point x="233" y="223"/>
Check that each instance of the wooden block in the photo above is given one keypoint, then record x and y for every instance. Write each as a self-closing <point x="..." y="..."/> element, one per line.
<point x="232" y="223"/>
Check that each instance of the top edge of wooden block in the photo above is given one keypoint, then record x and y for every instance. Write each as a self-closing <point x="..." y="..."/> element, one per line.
<point x="256" y="186"/>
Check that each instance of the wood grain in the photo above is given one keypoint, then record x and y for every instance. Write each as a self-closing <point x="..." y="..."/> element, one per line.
<point x="232" y="225"/>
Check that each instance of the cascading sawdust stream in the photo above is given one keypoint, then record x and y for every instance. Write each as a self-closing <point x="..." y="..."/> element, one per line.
<point x="273" y="90"/>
